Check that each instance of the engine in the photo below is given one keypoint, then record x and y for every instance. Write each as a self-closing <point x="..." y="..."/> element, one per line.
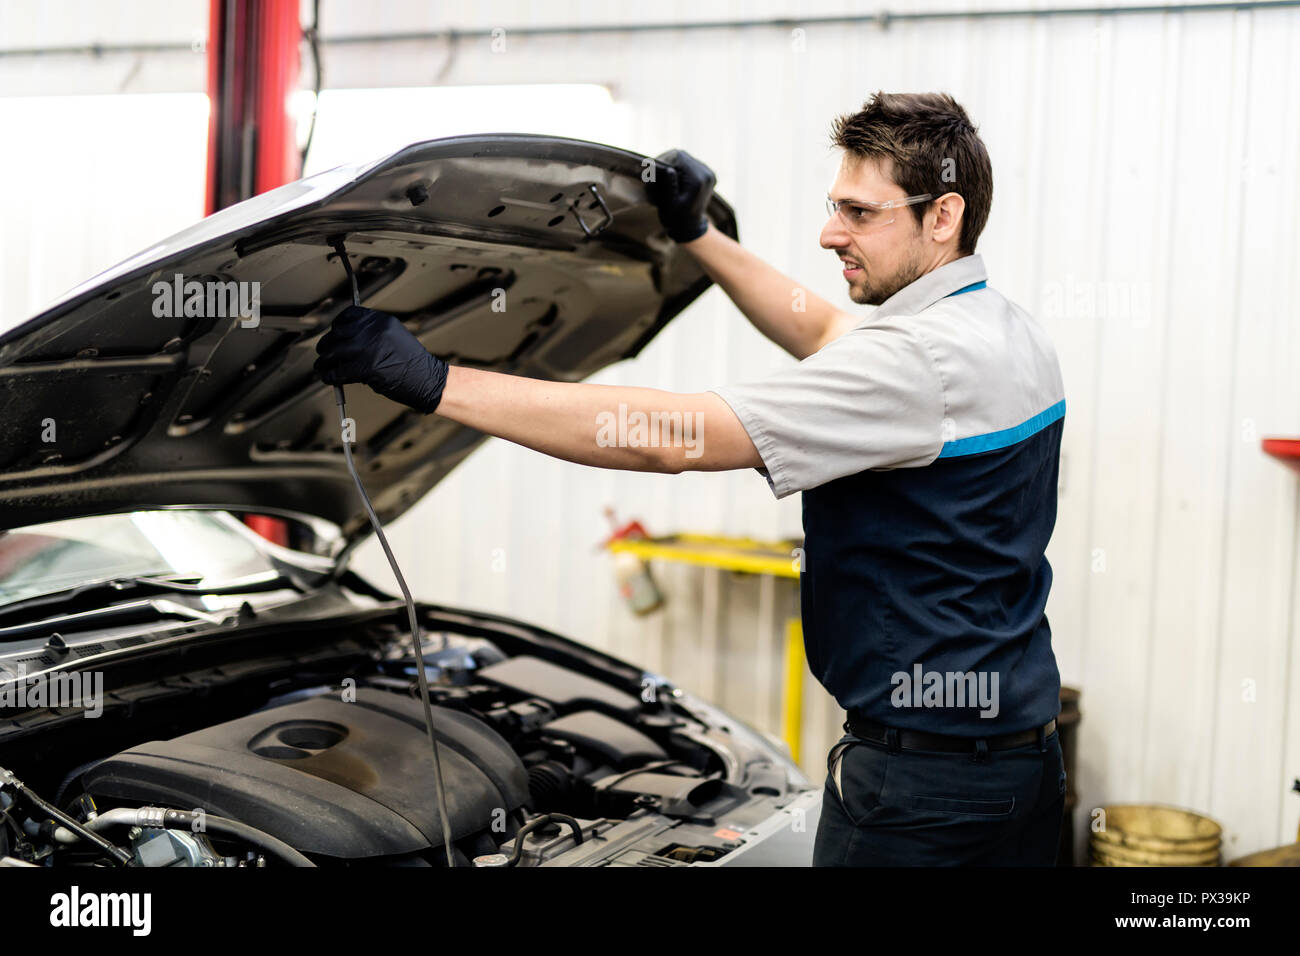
<point x="341" y="780"/>
<point x="537" y="759"/>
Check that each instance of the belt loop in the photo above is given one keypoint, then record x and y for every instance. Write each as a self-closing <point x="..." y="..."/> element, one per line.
<point x="892" y="740"/>
<point x="981" y="750"/>
<point x="1042" y="740"/>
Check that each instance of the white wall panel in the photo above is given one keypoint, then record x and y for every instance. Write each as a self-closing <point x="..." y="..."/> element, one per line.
<point x="1122" y="219"/>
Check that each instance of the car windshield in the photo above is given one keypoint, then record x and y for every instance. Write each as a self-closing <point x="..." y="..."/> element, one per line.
<point x="210" y="545"/>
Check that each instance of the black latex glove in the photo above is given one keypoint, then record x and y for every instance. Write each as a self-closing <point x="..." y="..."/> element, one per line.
<point x="681" y="192"/>
<point x="375" y="349"/>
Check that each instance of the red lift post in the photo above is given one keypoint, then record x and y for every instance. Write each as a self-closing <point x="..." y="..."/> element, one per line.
<point x="253" y="64"/>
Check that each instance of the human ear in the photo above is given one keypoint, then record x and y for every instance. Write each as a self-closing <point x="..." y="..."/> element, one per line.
<point x="949" y="209"/>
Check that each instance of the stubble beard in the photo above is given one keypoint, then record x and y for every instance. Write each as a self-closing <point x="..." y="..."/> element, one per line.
<point x="868" y="292"/>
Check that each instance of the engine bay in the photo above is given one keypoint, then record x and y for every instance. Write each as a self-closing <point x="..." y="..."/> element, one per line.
<point x="547" y="758"/>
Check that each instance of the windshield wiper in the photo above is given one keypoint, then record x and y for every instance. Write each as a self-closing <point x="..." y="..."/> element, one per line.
<point x="94" y="595"/>
<point x="142" y="610"/>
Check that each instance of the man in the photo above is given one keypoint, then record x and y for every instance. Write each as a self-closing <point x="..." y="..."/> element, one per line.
<point x="925" y="437"/>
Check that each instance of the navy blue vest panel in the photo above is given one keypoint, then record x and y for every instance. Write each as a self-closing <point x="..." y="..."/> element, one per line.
<point x="935" y="577"/>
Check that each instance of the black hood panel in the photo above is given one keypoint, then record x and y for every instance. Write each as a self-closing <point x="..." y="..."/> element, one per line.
<point x="524" y="254"/>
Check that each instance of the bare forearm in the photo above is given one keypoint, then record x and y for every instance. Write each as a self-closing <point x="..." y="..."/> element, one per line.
<point x="790" y="315"/>
<point x="632" y="429"/>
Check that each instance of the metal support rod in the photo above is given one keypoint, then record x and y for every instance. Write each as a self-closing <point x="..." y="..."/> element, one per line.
<point x="417" y="637"/>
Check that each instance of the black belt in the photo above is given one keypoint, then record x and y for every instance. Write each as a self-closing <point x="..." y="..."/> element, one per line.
<point x="869" y="730"/>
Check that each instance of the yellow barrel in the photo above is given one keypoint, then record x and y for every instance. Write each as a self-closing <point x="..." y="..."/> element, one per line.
<point x="1288" y="855"/>
<point x="1155" y="835"/>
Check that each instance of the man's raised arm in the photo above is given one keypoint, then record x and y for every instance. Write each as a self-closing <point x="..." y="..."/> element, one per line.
<point x="787" y="313"/>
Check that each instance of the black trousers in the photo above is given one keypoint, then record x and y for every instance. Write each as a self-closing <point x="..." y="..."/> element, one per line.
<point x="925" y="808"/>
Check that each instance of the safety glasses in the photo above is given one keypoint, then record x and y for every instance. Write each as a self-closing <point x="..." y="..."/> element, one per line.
<point x="865" y="215"/>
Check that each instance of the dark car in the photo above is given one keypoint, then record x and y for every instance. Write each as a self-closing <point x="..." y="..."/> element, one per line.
<point x="176" y="689"/>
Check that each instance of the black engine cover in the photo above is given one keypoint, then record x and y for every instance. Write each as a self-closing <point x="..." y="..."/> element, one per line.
<point x="335" y="779"/>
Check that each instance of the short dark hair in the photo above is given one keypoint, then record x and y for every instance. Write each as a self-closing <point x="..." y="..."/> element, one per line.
<point x="934" y="148"/>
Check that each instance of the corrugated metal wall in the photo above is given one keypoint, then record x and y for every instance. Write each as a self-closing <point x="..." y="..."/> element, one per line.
<point x="1146" y="210"/>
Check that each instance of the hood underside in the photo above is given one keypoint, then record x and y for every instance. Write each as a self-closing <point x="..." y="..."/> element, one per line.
<point x="524" y="254"/>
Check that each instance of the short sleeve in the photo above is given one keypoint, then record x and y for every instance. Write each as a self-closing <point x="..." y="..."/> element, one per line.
<point x="871" y="398"/>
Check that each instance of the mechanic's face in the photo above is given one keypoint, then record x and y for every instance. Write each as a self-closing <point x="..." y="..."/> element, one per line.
<point x="878" y="261"/>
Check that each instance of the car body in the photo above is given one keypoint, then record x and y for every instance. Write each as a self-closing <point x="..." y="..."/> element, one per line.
<point x="155" y="652"/>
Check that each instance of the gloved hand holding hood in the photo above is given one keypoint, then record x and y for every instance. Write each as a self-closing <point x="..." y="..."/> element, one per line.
<point x="376" y="349"/>
<point x="681" y="191"/>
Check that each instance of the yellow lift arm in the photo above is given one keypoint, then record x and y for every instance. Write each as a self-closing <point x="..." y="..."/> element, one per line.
<point x="747" y="556"/>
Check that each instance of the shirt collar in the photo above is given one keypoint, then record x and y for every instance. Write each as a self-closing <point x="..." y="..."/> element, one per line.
<point x="933" y="286"/>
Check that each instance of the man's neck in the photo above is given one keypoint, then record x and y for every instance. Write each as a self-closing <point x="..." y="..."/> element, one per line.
<point x="947" y="256"/>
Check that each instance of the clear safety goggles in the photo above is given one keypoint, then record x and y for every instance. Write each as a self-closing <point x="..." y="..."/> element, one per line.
<point x="865" y="215"/>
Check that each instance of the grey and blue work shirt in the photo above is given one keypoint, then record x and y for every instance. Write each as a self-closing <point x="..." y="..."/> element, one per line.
<point x="926" y="442"/>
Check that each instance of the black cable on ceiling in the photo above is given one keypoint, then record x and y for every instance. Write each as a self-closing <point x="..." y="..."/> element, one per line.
<point x="882" y="19"/>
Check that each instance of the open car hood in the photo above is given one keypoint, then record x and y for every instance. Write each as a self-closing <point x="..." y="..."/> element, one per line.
<point x="524" y="254"/>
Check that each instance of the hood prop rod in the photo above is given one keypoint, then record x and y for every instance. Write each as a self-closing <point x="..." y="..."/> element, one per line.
<point x="417" y="638"/>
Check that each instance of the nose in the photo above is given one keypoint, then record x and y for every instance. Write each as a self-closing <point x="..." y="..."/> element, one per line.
<point x="834" y="235"/>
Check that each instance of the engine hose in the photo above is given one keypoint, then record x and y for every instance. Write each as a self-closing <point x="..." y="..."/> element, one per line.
<point x="164" y="818"/>
<point x="242" y="831"/>
<point x="606" y="783"/>
<point x="116" y="853"/>
<point x="541" y="821"/>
